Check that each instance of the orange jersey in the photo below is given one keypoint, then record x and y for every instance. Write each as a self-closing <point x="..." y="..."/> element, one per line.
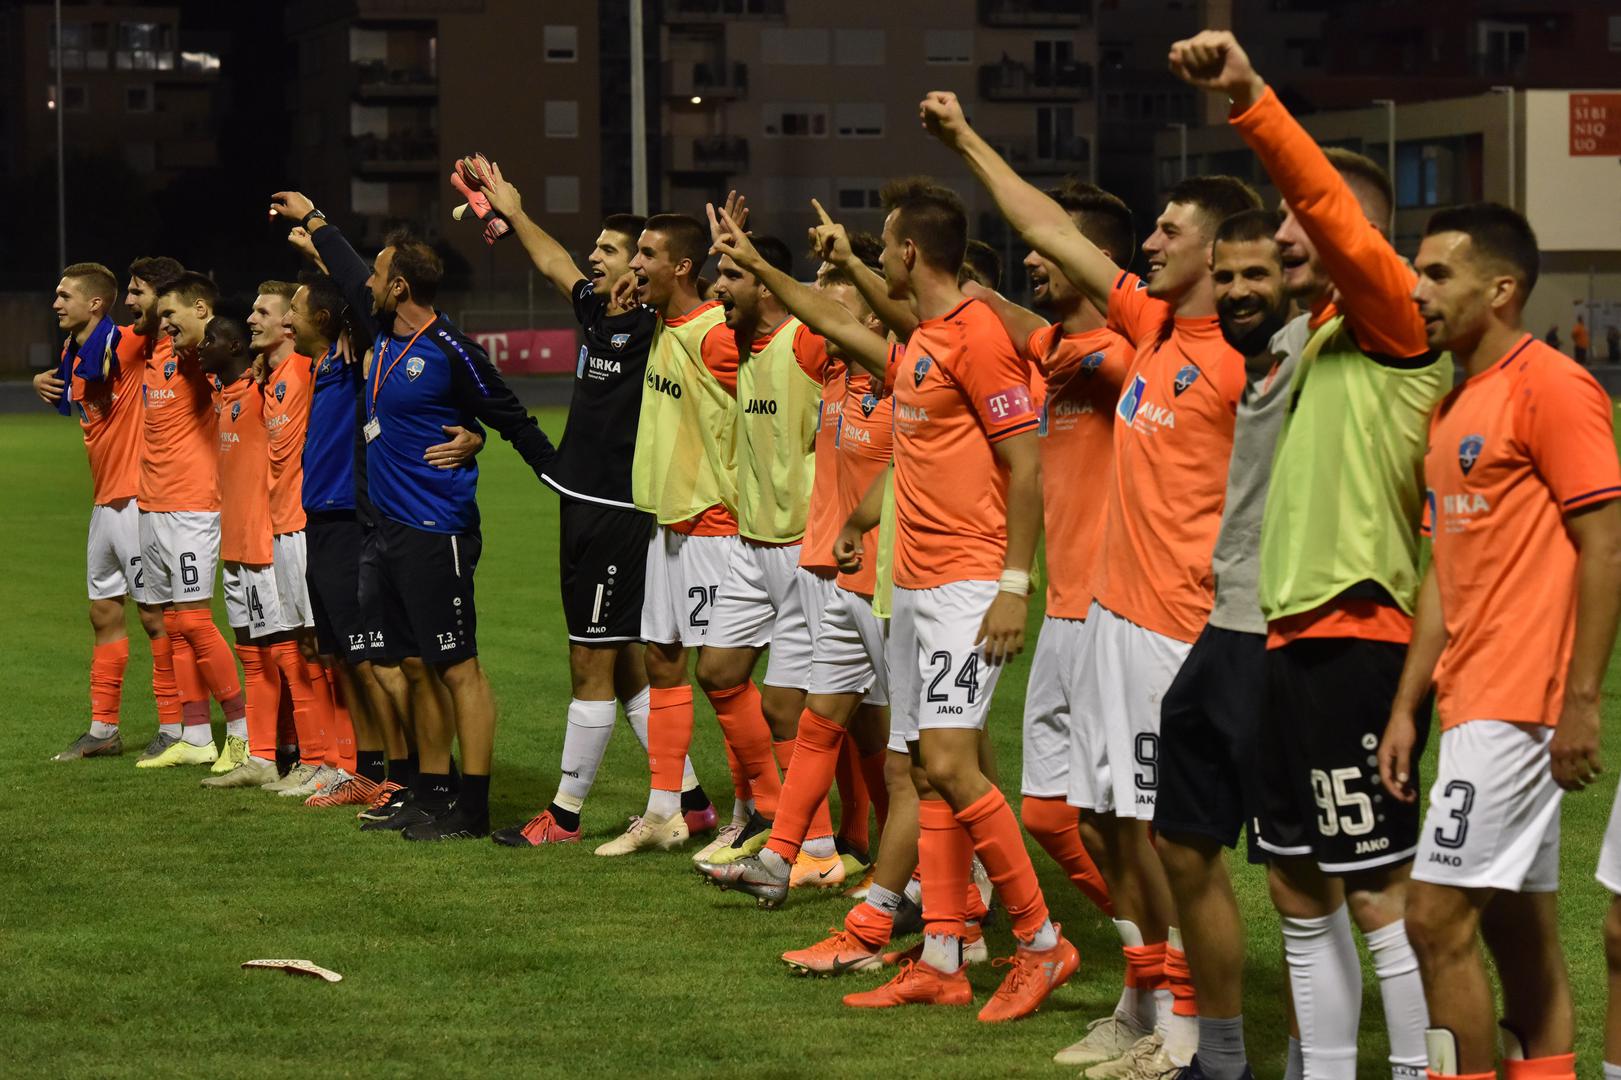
<point x="1080" y="380"/>
<point x="1173" y="434"/>
<point x="866" y="431"/>
<point x="288" y="392"/>
<point x="823" y="522"/>
<point x="244" y="472"/>
<point x="179" y="462"/>
<point x="110" y="417"/>
<point x="1512" y="451"/>
<point x="959" y="388"/>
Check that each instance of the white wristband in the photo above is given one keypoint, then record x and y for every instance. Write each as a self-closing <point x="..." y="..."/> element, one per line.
<point x="1016" y="582"/>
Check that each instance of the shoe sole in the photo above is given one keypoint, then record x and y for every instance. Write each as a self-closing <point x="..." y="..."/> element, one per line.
<point x="871" y="963"/>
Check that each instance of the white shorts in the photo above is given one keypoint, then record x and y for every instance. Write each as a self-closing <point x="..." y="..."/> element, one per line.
<point x="292" y="587"/>
<point x="112" y="556"/>
<point x="179" y="550"/>
<point x="683" y="578"/>
<point x="1609" y="856"/>
<point x="1052" y="746"/>
<point x="815" y="594"/>
<point x="761" y="603"/>
<point x="251" y="598"/>
<point x="938" y="677"/>
<point x="849" y="652"/>
<point x="1122" y="674"/>
<point x="1493" y="818"/>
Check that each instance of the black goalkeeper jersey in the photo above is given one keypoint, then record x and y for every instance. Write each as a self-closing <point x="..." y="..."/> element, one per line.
<point x="599" y="441"/>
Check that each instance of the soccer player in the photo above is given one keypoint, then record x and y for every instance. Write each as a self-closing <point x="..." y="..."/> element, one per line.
<point x="1515" y="623"/>
<point x="602" y="539"/>
<point x="101" y="372"/>
<point x="1151" y="598"/>
<point x="426" y="375"/>
<point x="180" y="526"/>
<point x="982" y="265"/>
<point x="682" y="473"/>
<point x="1339" y="574"/>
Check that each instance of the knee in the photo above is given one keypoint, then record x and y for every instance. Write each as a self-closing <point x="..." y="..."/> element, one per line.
<point x="1440" y="925"/>
<point x="152" y="621"/>
<point x="665" y="670"/>
<point x="106" y="615"/>
<point x="1376" y="902"/>
<point x="415" y="671"/>
<point x="462" y="675"/>
<point x="717" y="672"/>
<point x="591" y="671"/>
<point x="1184" y="863"/>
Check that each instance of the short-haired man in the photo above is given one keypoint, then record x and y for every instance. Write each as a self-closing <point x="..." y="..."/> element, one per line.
<point x="1515" y="623"/>
<point x="602" y="537"/>
<point x="101" y="369"/>
<point x="1151" y="599"/>
<point x="426" y="376"/>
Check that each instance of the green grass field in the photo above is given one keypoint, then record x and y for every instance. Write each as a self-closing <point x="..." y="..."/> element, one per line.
<point x="131" y="897"/>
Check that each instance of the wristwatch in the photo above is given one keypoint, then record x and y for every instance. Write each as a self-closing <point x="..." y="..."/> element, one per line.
<point x="309" y="217"/>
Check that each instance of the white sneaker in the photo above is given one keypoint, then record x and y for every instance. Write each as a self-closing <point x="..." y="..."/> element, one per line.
<point x="295" y="776"/>
<point x="1105" y="1040"/>
<point x="1134" y="1063"/>
<point x="645" y="834"/>
<point x="1155" y="1066"/>
<point x="722" y="839"/>
<point x="318" y="781"/>
<point x="251" y="773"/>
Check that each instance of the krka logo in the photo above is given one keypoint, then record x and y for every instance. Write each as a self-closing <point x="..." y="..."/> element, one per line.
<point x="921" y="370"/>
<point x="168" y="369"/>
<point x="1186" y="378"/>
<point x="236" y="410"/>
<point x="281" y="391"/>
<point x="1091" y="363"/>
<point x="414" y="367"/>
<point x="1469" y="451"/>
<point x="618" y="340"/>
<point x="869" y="402"/>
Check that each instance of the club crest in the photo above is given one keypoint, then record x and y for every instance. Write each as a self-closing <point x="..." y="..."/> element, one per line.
<point x="618" y="341"/>
<point x="869" y="402"/>
<point x="414" y="367"/>
<point x="236" y="410"/>
<point x="1186" y="378"/>
<point x="281" y="391"/>
<point x="1469" y="451"/>
<point x="168" y="369"/>
<point x="921" y="370"/>
<point x="1091" y="362"/>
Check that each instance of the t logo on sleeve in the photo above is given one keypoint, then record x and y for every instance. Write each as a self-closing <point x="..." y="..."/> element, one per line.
<point x="414" y="367"/>
<point x="921" y="369"/>
<point x="1010" y="402"/>
<point x="1186" y="378"/>
<point x="1469" y="451"/>
<point x="1132" y="399"/>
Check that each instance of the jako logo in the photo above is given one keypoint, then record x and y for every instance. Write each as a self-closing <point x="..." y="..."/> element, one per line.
<point x="664" y="385"/>
<point x="762" y="406"/>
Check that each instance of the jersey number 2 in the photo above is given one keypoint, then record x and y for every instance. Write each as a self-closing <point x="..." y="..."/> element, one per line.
<point x="967" y="676"/>
<point x="706" y="599"/>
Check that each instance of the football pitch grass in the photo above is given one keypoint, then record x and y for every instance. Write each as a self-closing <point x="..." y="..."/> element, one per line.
<point x="131" y="897"/>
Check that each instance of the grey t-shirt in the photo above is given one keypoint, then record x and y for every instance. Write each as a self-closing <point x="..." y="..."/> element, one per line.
<point x="1236" y="560"/>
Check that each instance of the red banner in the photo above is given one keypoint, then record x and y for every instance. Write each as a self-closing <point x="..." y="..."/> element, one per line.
<point x="531" y="352"/>
<point x="1595" y="125"/>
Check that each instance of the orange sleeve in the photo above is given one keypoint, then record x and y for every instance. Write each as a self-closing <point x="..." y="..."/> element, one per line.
<point x="810" y="349"/>
<point x="719" y="350"/>
<point x="1374" y="284"/>
<point x="1133" y="314"/>
<point x="896" y="352"/>
<point x="1566" y="423"/>
<point x="996" y="382"/>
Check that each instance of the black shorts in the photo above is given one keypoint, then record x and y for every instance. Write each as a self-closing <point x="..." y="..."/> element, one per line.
<point x="424" y="592"/>
<point x="1327" y="703"/>
<point x="373" y="609"/>
<point x="332" y="571"/>
<point x="1210" y="724"/>
<point x="602" y="557"/>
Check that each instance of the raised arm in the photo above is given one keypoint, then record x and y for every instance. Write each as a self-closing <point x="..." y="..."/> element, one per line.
<point x="831" y="243"/>
<point x="809" y="305"/>
<point x="348" y="269"/>
<point x="1374" y="283"/>
<point x="1040" y="221"/>
<point x="480" y="392"/>
<point x="549" y="257"/>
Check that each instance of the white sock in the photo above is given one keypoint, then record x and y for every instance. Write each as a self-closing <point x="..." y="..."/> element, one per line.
<point x="239" y="728"/>
<point x="268" y="761"/>
<point x="1295" y="1067"/>
<point x="820" y="848"/>
<point x="741" y="810"/>
<point x="1612" y="1072"/>
<point x="883" y="899"/>
<point x="1325" y="975"/>
<point x="1045" y="938"/>
<point x="773" y="862"/>
<point x="1181" y="1032"/>
<point x="662" y="805"/>
<point x="636" y="715"/>
<point x="1406" y="1015"/>
<point x="914" y="891"/>
<point x="100" y="730"/>
<point x="170" y="729"/>
<point x="198" y="734"/>
<point x="1136" y="1007"/>
<point x="942" y="952"/>
<point x="590" y="726"/>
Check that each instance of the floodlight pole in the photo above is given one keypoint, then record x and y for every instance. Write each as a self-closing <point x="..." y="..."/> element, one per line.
<point x="61" y="153"/>
<point x="1513" y="138"/>
<point x="1390" y="153"/>
<point x="638" y="115"/>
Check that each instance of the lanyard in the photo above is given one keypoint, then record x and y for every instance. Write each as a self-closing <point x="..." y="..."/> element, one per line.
<point x="382" y="376"/>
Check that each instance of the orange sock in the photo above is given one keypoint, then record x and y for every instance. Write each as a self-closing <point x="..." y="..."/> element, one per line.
<point x="340" y="730"/>
<point x="855" y="808"/>
<point x="214" y="659"/>
<point x="944" y="852"/>
<point x="804" y="789"/>
<point x="872" y="772"/>
<point x="262" y="681"/>
<point x="1000" y="846"/>
<point x="821" y="819"/>
<point x="107" y="665"/>
<point x="164" y="690"/>
<point x="1556" y="1067"/>
<point x="869" y="925"/>
<point x="1179" y="981"/>
<point x="669" y="734"/>
<point x="1055" y="825"/>
<point x="740" y="783"/>
<point x="1145" y="966"/>
<point x="310" y="709"/>
<point x="188" y="681"/>
<point x="286" y="730"/>
<point x="743" y="724"/>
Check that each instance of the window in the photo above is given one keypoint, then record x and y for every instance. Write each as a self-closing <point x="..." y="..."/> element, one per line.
<point x="562" y="119"/>
<point x="1438" y="172"/>
<point x="859" y="120"/>
<point x="1615" y="33"/>
<point x="75" y="98"/>
<point x="1500" y="47"/>
<point x="199" y="61"/>
<point x="368" y="197"/>
<point x="562" y="44"/>
<point x="858" y="193"/>
<point x="864" y="48"/>
<point x="562" y="194"/>
<point x="138" y="99"/>
<point x="948" y="46"/>
<point x="795" y="120"/>
<point x="781" y="45"/>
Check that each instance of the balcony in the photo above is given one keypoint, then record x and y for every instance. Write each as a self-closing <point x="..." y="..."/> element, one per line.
<point x="1021" y="14"/>
<point x="1046" y="154"/>
<point x="719" y="11"/>
<point x="410" y="153"/>
<point x="711" y="81"/>
<point x="711" y="154"/>
<point x="377" y="82"/>
<point x="1010" y="80"/>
